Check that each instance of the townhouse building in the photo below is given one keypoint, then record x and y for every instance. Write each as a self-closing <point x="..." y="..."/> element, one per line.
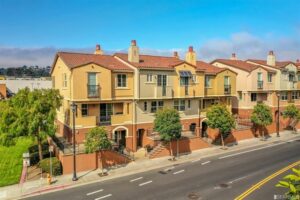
<point x="122" y="92"/>
<point x="262" y="82"/>
<point x="286" y="80"/>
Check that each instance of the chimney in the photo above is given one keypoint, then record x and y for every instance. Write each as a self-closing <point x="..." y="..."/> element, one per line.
<point x="98" y="50"/>
<point x="133" y="52"/>
<point x="297" y="61"/>
<point x="233" y="56"/>
<point x="190" y="56"/>
<point x="175" y="54"/>
<point x="271" y="60"/>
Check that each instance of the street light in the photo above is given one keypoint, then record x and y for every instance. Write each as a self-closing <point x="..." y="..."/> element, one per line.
<point x="278" y="113"/>
<point x="74" y="108"/>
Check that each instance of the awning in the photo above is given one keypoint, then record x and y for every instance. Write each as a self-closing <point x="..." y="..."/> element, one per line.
<point x="185" y="74"/>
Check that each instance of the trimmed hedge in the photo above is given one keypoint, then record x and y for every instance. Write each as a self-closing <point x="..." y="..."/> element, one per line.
<point x="56" y="166"/>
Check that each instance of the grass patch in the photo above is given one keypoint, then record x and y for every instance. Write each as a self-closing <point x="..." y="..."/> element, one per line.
<point x="11" y="161"/>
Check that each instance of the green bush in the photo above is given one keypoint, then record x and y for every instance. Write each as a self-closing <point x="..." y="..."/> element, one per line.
<point x="56" y="166"/>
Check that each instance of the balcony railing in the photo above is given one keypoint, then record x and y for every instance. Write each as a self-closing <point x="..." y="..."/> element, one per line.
<point x="93" y="91"/>
<point x="186" y="90"/>
<point x="104" y="120"/>
<point x="260" y="84"/>
<point x="227" y="89"/>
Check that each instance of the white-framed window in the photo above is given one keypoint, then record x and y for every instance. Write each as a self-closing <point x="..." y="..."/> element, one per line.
<point x="209" y="102"/>
<point x="121" y="80"/>
<point x="179" y="105"/>
<point x="295" y="95"/>
<point x="149" y="78"/>
<point x="145" y="106"/>
<point x="284" y="96"/>
<point x="194" y="78"/>
<point x="65" y="80"/>
<point x="207" y="81"/>
<point x="253" y="97"/>
<point x="270" y="76"/>
<point x="84" y="110"/>
<point x="156" y="105"/>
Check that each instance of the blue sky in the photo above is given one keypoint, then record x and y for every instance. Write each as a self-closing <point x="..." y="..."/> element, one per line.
<point x="158" y="26"/>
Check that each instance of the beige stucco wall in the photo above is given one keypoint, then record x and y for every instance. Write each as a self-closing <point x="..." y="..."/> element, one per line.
<point x="253" y="77"/>
<point x="194" y="89"/>
<point x="150" y="89"/>
<point x="127" y="92"/>
<point x="148" y="117"/>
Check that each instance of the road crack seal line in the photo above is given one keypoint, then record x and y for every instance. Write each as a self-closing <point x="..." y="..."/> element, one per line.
<point x="262" y="182"/>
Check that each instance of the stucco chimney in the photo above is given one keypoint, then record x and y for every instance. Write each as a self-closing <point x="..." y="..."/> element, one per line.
<point x="133" y="52"/>
<point x="98" y="50"/>
<point x="271" y="60"/>
<point x="233" y="56"/>
<point x="175" y="54"/>
<point x="190" y="56"/>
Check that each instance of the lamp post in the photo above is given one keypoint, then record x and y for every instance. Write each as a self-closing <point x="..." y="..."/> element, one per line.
<point x="278" y="113"/>
<point x="74" y="107"/>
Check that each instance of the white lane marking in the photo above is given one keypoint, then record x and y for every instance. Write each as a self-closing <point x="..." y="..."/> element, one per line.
<point x="205" y="163"/>
<point x="178" y="172"/>
<point x="169" y="168"/>
<point x="136" y="179"/>
<point x="237" y="179"/>
<point x="109" y="195"/>
<point x="145" y="183"/>
<point x="235" y="154"/>
<point x="196" y="160"/>
<point x="88" y="194"/>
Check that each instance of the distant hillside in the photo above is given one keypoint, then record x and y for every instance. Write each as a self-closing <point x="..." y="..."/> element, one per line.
<point x="25" y="71"/>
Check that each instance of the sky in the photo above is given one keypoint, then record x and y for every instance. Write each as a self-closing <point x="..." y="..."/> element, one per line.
<point x="32" y="31"/>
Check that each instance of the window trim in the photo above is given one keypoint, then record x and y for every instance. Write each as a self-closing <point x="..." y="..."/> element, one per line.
<point x="285" y="95"/>
<point x="157" y="106"/>
<point x="87" y="110"/>
<point x="179" y="105"/>
<point x="147" y="78"/>
<point x="253" y="97"/>
<point x="210" y="84"/>
<point x="122" y="77"/>
<point x="270" y="75"/>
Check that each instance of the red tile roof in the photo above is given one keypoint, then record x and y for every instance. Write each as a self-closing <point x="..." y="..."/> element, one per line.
<point x="73" y="60"/>
<point x="278" y="64"/>
<point x="154" y="62"/>
<point x="243" y="65"/>
<point x="209" y="69"/>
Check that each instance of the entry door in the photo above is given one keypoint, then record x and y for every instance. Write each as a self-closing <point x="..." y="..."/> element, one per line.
<point x="140" y="138"/>
<point x="105" y="111"/>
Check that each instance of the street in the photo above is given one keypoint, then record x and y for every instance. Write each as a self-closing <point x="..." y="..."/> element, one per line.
<point x="219" y="177"/>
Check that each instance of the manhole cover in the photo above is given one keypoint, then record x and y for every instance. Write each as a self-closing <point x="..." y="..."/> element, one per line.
<point x="223" y="185"/>
<point x="162" y="172"/>
<point x="193" y="196"/>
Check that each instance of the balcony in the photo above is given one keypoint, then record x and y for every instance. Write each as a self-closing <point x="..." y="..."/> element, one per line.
<point x="227" y="89"/>
<point x="93" y="91"/>
<point x="104" y="120"/>
<point x="260" y="84"/>
<point x="186" y="90"/>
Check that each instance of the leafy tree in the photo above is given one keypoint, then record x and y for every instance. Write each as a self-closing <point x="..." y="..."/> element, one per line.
<point x="293" y="113"/>
<point x="220" y="118"/>
<point x="97" y="140"/>
<point x="167" y="123"/>
<point x="292" y="183"/>
<point x="261" y="116"/>
<point x="29" y="113"/>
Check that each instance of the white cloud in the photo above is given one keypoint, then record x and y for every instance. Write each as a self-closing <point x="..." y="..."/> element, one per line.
<point x="244" y="44"/>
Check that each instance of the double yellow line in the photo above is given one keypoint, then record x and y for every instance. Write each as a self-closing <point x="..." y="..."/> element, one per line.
<point x="259" y="184"/>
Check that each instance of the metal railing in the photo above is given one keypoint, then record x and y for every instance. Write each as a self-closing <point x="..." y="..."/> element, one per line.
<point x="227" y="89"/>
<point x="186" y="90"/>
<point x="93" y="91"/>
<point x="104" y="120"/>
<point x="260" y="84"/>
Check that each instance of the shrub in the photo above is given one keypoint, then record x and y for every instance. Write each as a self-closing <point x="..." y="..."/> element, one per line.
<point x="34" y="157"/>
<point x="56" y="166"/>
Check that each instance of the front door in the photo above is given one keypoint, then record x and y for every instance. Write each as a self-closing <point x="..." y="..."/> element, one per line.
<point x="140" y="138"/>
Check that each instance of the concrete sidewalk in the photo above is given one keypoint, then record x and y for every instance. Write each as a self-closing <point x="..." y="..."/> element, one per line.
<point x="40" y="186"/>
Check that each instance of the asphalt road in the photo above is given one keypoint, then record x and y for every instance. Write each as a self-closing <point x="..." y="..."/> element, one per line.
<point x="223" y="177"/>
